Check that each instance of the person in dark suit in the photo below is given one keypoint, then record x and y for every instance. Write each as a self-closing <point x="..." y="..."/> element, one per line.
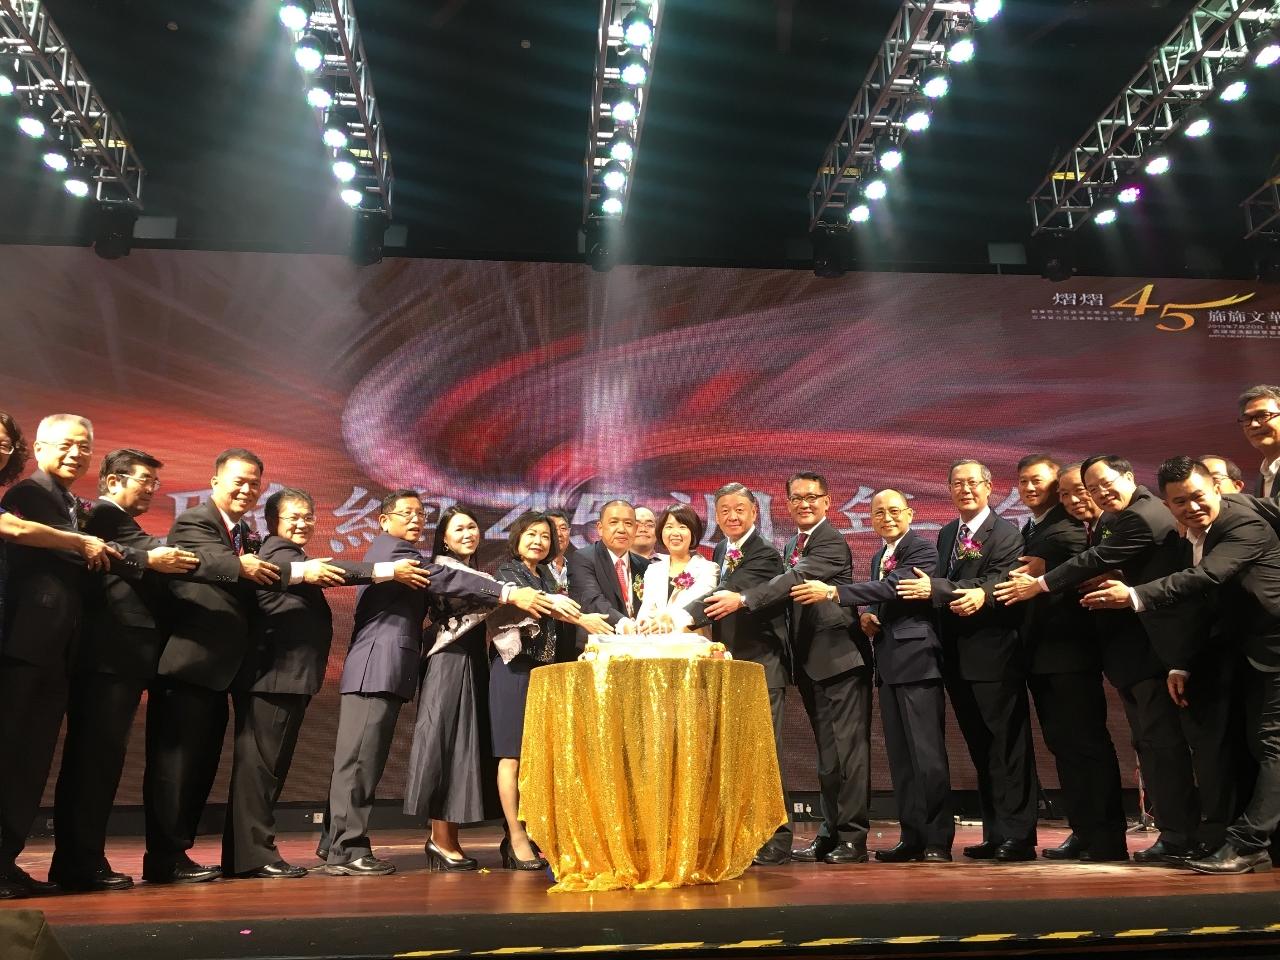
<point x="1064" y="674"/>
<point x="832" y="669"/>
<point x="1138" y="537"/>
<point x="380" y="676"/>
<point x="746" y="559"/>
<point x="208" y="641"/>
<point x="1227" y="475"/>
<point x="908" y="661"/>
<point x="606" y="577"/>
<point x="984" y="672"/>
<point x="123" y="633"/>
<point x="1260" y="418"/>
<point x="558" y="567"/>
<point x="1235" y="558"/>
<point x="291" y="633"/>
<point x="42" y="617"/>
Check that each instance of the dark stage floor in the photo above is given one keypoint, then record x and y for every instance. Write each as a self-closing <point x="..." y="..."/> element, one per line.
<point x="799" y="909"/>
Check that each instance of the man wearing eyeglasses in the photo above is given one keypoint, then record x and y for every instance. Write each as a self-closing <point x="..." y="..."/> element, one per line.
<point x="1140" y="539"/>
<point x="832" y="669"/>
<point x="1227" y="476"/>
<point x="1260" y="419"/>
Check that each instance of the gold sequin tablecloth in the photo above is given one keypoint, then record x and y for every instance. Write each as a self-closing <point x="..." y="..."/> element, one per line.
<point x="649" y="773"/>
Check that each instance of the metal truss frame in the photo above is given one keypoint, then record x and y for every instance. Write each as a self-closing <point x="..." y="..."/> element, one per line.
<point x="1211" y="41"/>
<point x="916" y="37"/>
<point x="1262" y="210"/>
<point x="606" y="83"/>
<point x="49" y="74"/>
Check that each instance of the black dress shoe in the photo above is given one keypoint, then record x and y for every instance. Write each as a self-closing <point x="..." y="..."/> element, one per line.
<point x="14" y="876"/>
<point x="101" y="880"/>
<point x="846" y="852"/>
<point x="1164" y="853"/>
<point x="899" y="853"/>
<point x="11" y="891"/>
<point x="771" y="855"/>
<point x="1229" y="858"/>
<point x="815" y="851"/>
<point x="512" y="862"/>
<point x="275" y="871"/>
<point x="440" y="862"/>
<point x="1068" y="849"/>
<point x="936" y="855"/>
<point x="1015" y="851"/>
<point x="184" y="870"/>
<point x="986" y="850"/>
<point x="369" y="866"/>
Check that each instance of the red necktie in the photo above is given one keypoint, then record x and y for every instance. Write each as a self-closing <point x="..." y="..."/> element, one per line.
<point x="621" y="568"/>
<point x="801" y="539"/>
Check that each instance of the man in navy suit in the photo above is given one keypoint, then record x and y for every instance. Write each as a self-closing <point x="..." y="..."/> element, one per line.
<point x="607" y="577"/>
<point x="1260" y="418"/>
<point x="380" y="676"/>
<point x="908" y="659"/>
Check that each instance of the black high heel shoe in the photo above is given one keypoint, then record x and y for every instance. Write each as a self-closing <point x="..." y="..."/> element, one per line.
<point x="512" y="862"/>
<point x="440" y="862"/>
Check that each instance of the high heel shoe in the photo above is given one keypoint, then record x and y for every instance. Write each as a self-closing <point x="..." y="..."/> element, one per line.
<point x="440" y="862"/>
<point x="512" y="862"/>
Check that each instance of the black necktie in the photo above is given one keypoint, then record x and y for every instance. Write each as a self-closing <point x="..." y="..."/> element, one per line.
<point x="1028" y="528"/>
<point x="237" y="541"/>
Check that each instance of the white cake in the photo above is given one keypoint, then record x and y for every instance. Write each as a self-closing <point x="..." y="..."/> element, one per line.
<point x="653" y="646"/>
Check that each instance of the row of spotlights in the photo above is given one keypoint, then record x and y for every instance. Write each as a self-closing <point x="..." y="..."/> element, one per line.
<point x="55" y="156"/>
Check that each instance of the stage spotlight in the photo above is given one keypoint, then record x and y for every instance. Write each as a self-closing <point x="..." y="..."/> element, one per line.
<point x="319" y="94"/>
<point x="917" y="119"/>
<point x="614" y="176"/>
<point x="7" y="84"/>
<point x="600" y="242"/>
<point x="860" y="214"/>
<point x="934" y="82"/>
<point x="1268" y="54"/>
<point x="611" y="205"/>
<point x="31" y="123"/>
<point x="113" y="230"/>
<point x="77" y="182"/>
<point x="335" y="132"/>
<point x="1104" y="216"/>
<point x="295" y="14"/>
<point x="634" y="69"/>
<point x="831" y="251"/>
<point x="1130" y="194"/>
<point x="345" y="166"/>
<point x="351" y="196"/>
<point x="637" y="29"/>
<point x="368" y="237"/>
<point x="1233" y="91"/>
<point x="1157" y="164"/>
<point x="1197" y="126"/>
<point x="57" y="157"/>
<point x="622" y="147"/>
<point x="961" y="47"/>
<point x="624" y="108"/>
<point x="309" y="53"/>
<point x="875" y="189"/>
<point x="889" y="157"/>
<point x="984" y="10"/>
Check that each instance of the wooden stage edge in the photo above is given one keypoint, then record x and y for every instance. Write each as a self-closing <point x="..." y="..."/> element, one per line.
<point x="803" y="908"/>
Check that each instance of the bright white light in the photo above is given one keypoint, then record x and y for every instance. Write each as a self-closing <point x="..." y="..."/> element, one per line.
<point x="1105" y="216"/>
<point x="621" y="148"/>
<point x="55" y="159"/>
<point x="1129" y="194"/>
<point x="624" y="111"/>
<point x="875" y="189"/>
<point x="294" y="16"/>
<point x="918" y="120"/>
<point x="860" y="214"/>
<point x="1198" y="127"/>
<point x="344" y="167"/>
<point x="1157" y="165"/>
<point x="351" y="196"/>
<point x="935" y="87"/>
<point x="308" y="54"/>
<point x="962" y="50"/>
<point x="77" y="186"/>
<point x="634" y="70"/>
<point x="614" y="176"/>
<point x="637" y="29"/>
<point x="1235" y="90"/>
<point x="1267" y="55"/>
<point x="335" y="137"/>
<point x="611" y="205"/>
<point x="320" y="98"/>
<point x="891" y="159"/>
<point x="984" y="10"/>
<point x="6" y="85"/>
<point x="32" y="126"/>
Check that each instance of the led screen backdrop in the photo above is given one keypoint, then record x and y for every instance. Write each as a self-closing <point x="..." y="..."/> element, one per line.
<point x="509" y="385"/>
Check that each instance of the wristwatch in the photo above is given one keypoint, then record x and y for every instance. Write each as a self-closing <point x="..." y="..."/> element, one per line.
<point x="832" y="593"/>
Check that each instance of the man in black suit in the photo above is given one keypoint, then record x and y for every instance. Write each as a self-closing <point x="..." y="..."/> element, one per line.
<point x="124" y="631"/>
<point x="832" y="669"/>
<point x="1139" y="538"/>
<point x="1260" y="418"/>
<point x="908" y="661"/>
<point x="747" y="560"/>
<point x="566" y="633"/>
<point x="42" y="618"/>
<point x="1227" y="476"/>
<point x="1064" y="674"/>
<point x="1235" y="559"/>
<point x="606" y="577"/>
<point x="984" y="672"/>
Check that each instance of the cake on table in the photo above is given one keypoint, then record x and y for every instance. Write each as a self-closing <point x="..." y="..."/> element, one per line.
<point x="653" y="646"/>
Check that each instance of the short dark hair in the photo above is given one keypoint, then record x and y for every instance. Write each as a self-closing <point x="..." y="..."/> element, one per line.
<point x="1261" y="391"/>
<point x="685" y="514"/>
<point x="1116" y="463"/>
<point x="523" y="523"/>
<point x="389" y="501"/>
<point x="1032" y="459"/>
<point x="817" y="478"/>
<point x="121" y="462"/>
<point x="1178" y="469"/>
<point x="609" y="503"/>
<point x="21" y="452"/>
<point x="1234" y="473"/>
<point x="437" y="542"/>
<point x="558" y="512"/>
<point x="271" y="509"/>
<point x="236" y="453"/>
<point x="734" y="488"/>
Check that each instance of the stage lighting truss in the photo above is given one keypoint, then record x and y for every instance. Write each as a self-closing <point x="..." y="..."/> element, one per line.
<point x="1262" y="210"/>
<point x="1206" y="53"/>
<point x="625" y="44"/>
<point x="342" y="97"/>
<point x="922" y="33"/>
<point x="48" y="78"/>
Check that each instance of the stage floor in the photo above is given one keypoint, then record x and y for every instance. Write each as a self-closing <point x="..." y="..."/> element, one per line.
<point x="793" y="909"/>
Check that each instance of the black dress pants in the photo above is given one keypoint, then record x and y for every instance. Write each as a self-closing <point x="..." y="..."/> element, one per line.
<point x="914" y="720"/>
<point x="839" y="710"/>
<point x="1213" y="723"/>
<point x="32" y="701"/>
<point x="1164" y="758"/>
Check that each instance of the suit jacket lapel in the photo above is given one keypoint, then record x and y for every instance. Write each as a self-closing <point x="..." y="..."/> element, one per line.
<point x="947" y="546"/>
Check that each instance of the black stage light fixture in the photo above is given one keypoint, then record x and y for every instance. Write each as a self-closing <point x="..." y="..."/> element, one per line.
<point x="600" y="243"/>
<point x="832" y="251"/>
<point x="113" y="230"/>
<point x="1056" y="254"/>
<point x="1266" y="259"/>
<point x="367" y="240"/>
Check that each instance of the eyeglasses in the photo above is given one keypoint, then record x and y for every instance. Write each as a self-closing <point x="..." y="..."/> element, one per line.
<point x="6" y="447"/>
<point x="809" y="498"/>
<point x="146" y="483"/>
<point x="1102" y="486"/>
<point x="894" y="512"/>
<point x="409" y="514"/>
<point x="66" y="446"/>
<point x="308" y="520"/>
<point x="967" y="484"/>
<point x="1257" y="418"/>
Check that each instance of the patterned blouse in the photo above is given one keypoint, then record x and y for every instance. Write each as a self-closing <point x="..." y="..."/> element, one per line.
<point x="538" y="642"/>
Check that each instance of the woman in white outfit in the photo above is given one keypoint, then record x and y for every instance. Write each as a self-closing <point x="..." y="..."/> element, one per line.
<point x="676" y="580"/>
